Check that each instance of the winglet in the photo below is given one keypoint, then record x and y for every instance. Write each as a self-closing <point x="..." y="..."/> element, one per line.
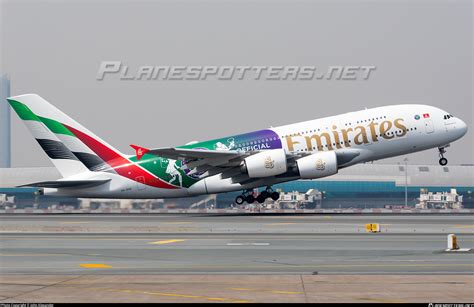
<point x="140" y="151"/>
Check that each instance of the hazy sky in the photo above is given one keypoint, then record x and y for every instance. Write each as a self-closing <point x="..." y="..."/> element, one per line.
<point x="422" y="51"/>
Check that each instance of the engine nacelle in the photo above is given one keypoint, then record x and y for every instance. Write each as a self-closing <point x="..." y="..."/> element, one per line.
<point x="317" y="165"/>
<point x="265" y="164"/>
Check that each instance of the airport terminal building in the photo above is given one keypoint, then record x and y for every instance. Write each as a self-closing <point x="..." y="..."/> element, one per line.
<point x="360" y="186"/>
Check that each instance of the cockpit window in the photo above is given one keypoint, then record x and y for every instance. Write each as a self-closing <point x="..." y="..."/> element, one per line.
<point x="448" y="116"/>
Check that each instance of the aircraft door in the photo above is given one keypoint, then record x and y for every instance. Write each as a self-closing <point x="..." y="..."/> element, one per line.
<point x="429" y="127"/>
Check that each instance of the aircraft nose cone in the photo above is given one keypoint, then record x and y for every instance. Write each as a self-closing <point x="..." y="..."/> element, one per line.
<point x="462" y="127"/>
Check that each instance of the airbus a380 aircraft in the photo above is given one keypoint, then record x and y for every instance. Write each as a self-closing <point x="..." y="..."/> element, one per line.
<point x="306" y="150"/>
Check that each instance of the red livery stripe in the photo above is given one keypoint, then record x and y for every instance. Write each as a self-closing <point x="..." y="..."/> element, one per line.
<point x="121" y="165"/>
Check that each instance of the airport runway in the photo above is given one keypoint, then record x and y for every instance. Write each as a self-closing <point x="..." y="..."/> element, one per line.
<point x="257" y="244"/>
<point x="235" y="223"/>
<point x="233" y="254"/>
<point x="217" y="248"/>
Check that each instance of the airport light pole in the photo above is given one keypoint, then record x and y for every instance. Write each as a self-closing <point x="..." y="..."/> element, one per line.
<point x="406" y="181"/>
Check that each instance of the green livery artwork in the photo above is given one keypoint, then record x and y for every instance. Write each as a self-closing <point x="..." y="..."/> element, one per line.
<point x="176" y="172"/>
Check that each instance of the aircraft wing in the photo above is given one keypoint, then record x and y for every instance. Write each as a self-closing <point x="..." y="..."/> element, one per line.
<point x="210" y="162"/>
<point x="344" y="156"/>
<point x="227" y="162"/>
<point x="205" y="162"/>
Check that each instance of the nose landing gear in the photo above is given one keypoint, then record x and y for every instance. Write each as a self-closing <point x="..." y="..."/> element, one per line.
<point x="442" y="160"/>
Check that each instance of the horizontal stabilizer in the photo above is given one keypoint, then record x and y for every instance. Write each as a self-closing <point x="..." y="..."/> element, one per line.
<point x="66" y="183"/>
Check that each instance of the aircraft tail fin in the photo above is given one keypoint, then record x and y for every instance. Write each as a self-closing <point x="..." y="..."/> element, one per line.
<point x="71" y="147"/>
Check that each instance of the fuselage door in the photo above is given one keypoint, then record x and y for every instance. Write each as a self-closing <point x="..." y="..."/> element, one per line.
<point x="429" y="125"/>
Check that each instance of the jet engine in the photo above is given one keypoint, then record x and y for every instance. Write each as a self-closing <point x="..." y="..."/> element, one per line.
<point x="317" y="165"/>
<point x="265" y="164"/>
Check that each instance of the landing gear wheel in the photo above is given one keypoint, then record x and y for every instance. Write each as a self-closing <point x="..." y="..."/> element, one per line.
<point x="442" y="150"/>
<point x="264" y="195"/>
<point x="250" y="199"/>
<point x="261" y="198"/>
<point x="443" y="161"/>
<point x="275" y="195"/>
<point x="239" y="200"/>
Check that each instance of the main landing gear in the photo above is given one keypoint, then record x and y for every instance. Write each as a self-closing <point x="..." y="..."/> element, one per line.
<point x="442" y="160"/>
<point x="247" y="196"/>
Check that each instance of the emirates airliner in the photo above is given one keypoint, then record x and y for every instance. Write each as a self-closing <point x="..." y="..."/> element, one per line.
<point x="307" y="150"/>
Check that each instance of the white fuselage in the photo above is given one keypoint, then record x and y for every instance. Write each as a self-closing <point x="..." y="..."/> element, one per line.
<point x="376" y="133"/>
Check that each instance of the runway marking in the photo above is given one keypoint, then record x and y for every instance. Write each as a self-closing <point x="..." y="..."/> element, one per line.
<point x="278" y="224"/>
<point x="241" y="244"/>
<point x="241" y="289"/>
<point x="95" y="266"/>
<point x="463" y="226"/>
<point x="168" y="241"/>
<point x="209" y="298"/>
